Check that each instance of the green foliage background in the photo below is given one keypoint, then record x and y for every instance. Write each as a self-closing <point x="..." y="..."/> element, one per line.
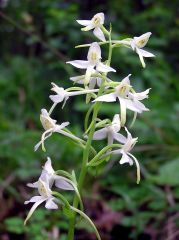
<point x="37" y="38"/>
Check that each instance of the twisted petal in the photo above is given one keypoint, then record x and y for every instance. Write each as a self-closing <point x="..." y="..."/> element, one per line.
<point x="49" y="131"/>
<point x="111" y="97"/>
<point x="36" y="204"/>
<point x="99" y="34"/>
<point x="79" y="64"/>
<point x="50" y="204"/>
<point x="100" y="134"/>
<point x="126" y="159"/>
<point x="104" y="68"/>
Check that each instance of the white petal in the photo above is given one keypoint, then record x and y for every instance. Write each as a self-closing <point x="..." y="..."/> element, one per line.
<point x="146" y="54"/>
<point x="132" y="106"/>
<point x="79" y="64"/>
<point x="84" y="22"/>
<point x="119" y="137"/>
<point x="33" y="209"/>
<point x="116" y="122"/>
<point x="123" y="110"/>
<point x="99" y="34"/>
<point x="126" y="80"/>
<point x="111" y="97"/>
<point x="104" y="68"/>
<point x="100" y="134"/>
<point x="63" y="183"/>
<point x="34" y="199"/>
<point x="137" y="166"/>
<point x="61" y="126"/>
<point x="140" y="106"/>
<point x="94" y="52"/>
<point x="92" y="82"/>
<point x="78" y="79"/>
<point x="56" y="98"/>
<point x="88" y="27"/>
<point x="141" y="57"/>
<point x="50" y="204"/>
<point x="126" y="159"/>
<point x="88" y="74"/>
<point x="140" y="95"/>
<point x="33" y="185"/>
<point x="48" y="166"/>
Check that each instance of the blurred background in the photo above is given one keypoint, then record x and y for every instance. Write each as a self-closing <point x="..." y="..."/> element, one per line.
<point x="37" y="38"/>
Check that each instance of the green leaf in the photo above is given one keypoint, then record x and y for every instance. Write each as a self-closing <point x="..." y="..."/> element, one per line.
<point x="168" y="174"/>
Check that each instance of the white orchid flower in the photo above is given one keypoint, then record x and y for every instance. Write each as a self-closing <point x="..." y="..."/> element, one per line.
<point x="93" y="61"/>
<point x="49" y="173"/>
<point x="127" y="157"/>
<point x="44" y="185"/>
<point x="95" y="23"/>
<point x="45" y="195"/>
<point x="50" y="127"/>
<point x="137" y="43"/>
<point x="63" y="95"/>
<point x="111" y="132"/>
<point x="127" y="99"/>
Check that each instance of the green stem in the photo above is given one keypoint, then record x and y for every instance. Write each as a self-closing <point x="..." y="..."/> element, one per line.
<point x="88" y="146"/>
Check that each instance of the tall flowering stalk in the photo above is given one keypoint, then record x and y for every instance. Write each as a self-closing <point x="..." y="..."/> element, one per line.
<point x="98" y="88"/>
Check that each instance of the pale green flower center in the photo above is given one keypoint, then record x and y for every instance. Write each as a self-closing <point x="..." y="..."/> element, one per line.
<point x="47" y="124"/>
<point x="42" y="190"/>
<point x="96" y="21"/>
<point x="93" y="56"/>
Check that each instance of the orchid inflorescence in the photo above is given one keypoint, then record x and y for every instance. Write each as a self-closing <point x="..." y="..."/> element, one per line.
<point x="98" y="88"/>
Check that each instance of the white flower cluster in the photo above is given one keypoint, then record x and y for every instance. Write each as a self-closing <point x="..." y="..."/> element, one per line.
<point x="95" y="75"/>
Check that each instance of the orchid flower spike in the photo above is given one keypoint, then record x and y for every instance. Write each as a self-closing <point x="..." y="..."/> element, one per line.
<point x="50" y="127"/>
<point x="95" y="23"/>
<point x="93" y="61"/>
<point x="137" y="43"/>
<point x="111" y="132"/>
<point x="63" y="95"/>
<point x="127" y="99"/>
<point x="44" y="185"/>
<point x="127" y="157"/>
